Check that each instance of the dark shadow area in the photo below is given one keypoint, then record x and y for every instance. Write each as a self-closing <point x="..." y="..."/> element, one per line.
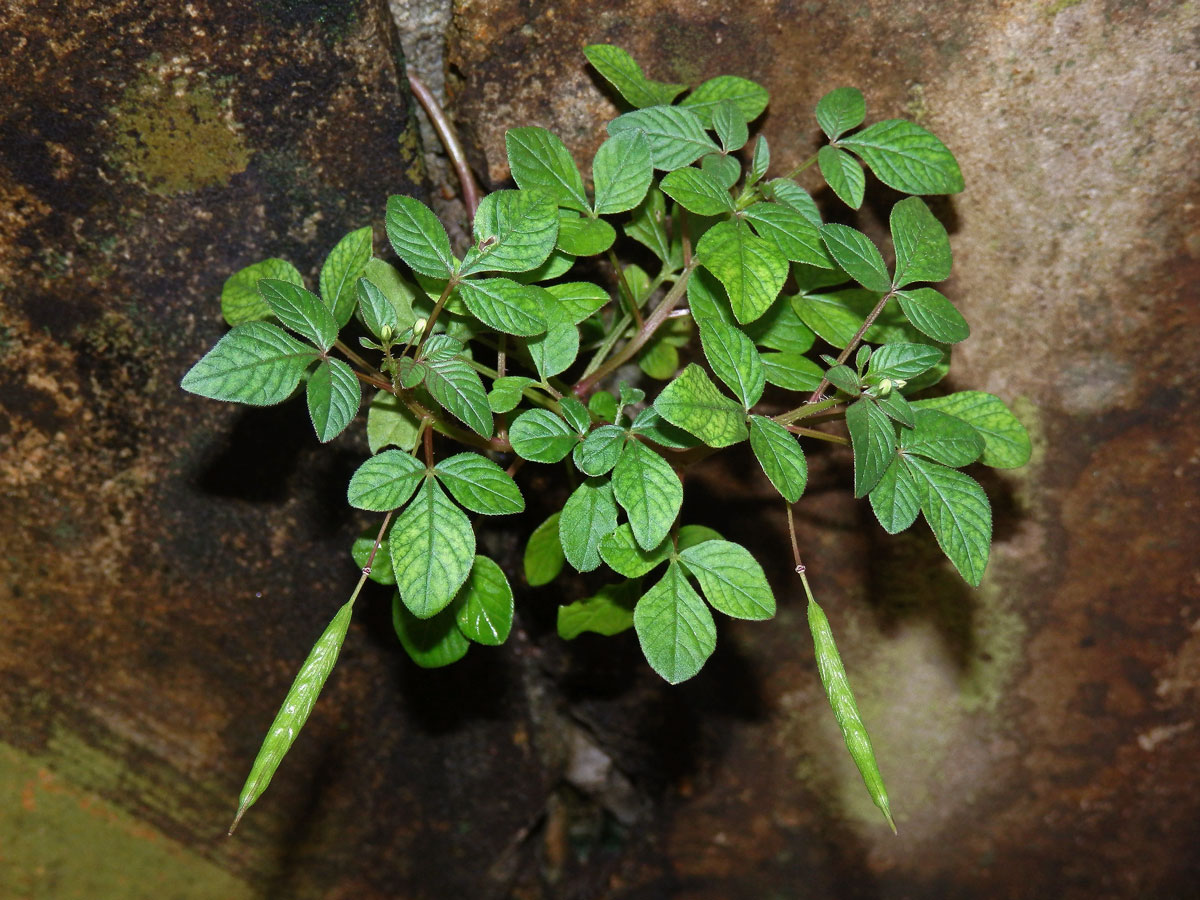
<point x="259" y="454"/>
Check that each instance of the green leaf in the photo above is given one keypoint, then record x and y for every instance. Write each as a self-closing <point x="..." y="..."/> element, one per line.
<point x="895" y="500"/>
<point x="843" y="174"/>
<point x="845" y="710"/>
<point x="240" y="300"/>
<point x="651" y="426"/>
<point x="730" y="126"/>
<point x="791" y="371"/>
<point x="874" y="441"/>
<point x="674" y="627"/>
<point x="581" y="236"/>
<point x="390" y="423"/>
<point x="677" y="136"/>
<point x="779" y="328"/>
<point x="787" y="192"/>
<point x="779" y="454"/>
<point x="845" y="379"/>
<point x="432" y="642"/>
<point x="622" y="172"/>
<point x="840" y="110"/>
<point x="432" y="546"/>
<point x="749" y="98"/>
<point x="485" y="604"/>
<point x="693" y="403"/>
<point x="385" y="481"/>
<point x="506" y="392"/>
<point x="943" y="438"/>
<point x="837" y="316"/>
<point x="300" y="310"/>
<point x="539" y="160"/>
<point x="459" y="390"/>
<point x="575" y="413"/>
<point x="479" y="484"/>
<point x="691" y="535"/>
<point x="505" y="305"/>
<point x="609" y="612"/>
<point x="760" y="162"/>
<point x="543" y="558"/>
<point x="255" y="363"/>
<point x="577" y="300"/>
<point x="399" y="292"/>
<point x="854" y="252"/>
<point x="514" y="232"/>
<point x="649" y="491"/>
<point x="603" y="406"/>
<point x="381" y="566"/>
<point x="697" y="192"/>
<point x="292" y="715"/>
<point x="903" y="360"/>
<point x="934" y="315"/>
<point x="418" y="237"/>
<point x="958" y="511"/>
<point x="378" y="312"/>
<point x="906" y="157"/>
<point x="791" y="233"/>
<point x="732" y="580"/>
<point x="345" y="263"/>
<point x="540" y="436"/>
<point x="648" y="226"/>
<point x="588" y="515"/>
<point x="751" y="269"/>
<point x="734" y="360"/>
<point x="333" y="398"/>
<point x="623" y="73"/>
<point x="724" y="170"/>
<point x="897" y="408"/>
<point x="556" y="264"/>
<point x="554" y="351"/>
<point x="922" y="245"/>
<point x="621" y="551"/>
<point x="600" y="450"/>
<point x="1006" y="442"/>
<point x="658" y="359"/>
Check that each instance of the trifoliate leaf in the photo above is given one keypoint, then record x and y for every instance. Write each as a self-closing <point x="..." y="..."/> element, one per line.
<point x="589" y="514"/>
<point x="600" y="450"/>
<point x="697" y="192"/>
<point x="734" y="360"/>
<point x="1006" y="442"/>
<point x="903" y="360"/>
<point x="505" y="305"/>
<point x="751" y="270"/>
<point x="729" y="123"/>
<point x="621" y="551"/>
<point x="874" y="442"/>
<point x="779" y="454"/>
<point x="857" y="256"/>
<point x="732" y="580"/>
<point x="608" y="612"/>
<point x="431" y="643"/>
<point x="385" y="481"/>
<point x="623" y="73"/>
<point x="906" y="157"/>
<point x="896" y="499"/>
<point x="581" y="236"/>
<point x="674" y="627"/>
<point x="840" y="110"/>
<point x="543" y="558"/>
<point x="693" y="403"/>
<point x="484" y="605"/>
<point x="934" y="315"/>
<point x="300" y="310"/>
<point x="479" y="484"/>
<point x="749" y="98"/>
<point x="240" y="300"/>
<point x="452" y="382"/>
<point x="650" y="492"/>
<point x="256" y="363"/>
<point x="843" y="174"/>
<point x="418" y="237"/>
<point x="342" y="268"/>
<point x="333" y="398"/>
<point x="922" y="245"/>
<point x="959" y="513"/>
<point x="432" y="546"/>
<point x="790" y="231"/>
<point x="622" y="172"/>
<point x="538" y="159"/>
<point x="677" y="136"/>
<point x="540" y="436"/>
<point x="943" y="438"/>
<point x="506" y="392"/>
<point x="514" y="232"/>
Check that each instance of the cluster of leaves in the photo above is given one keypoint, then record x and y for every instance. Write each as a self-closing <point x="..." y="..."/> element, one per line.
<point x="506" y="351"/>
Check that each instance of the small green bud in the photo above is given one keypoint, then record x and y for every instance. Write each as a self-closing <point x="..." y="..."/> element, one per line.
<point x="418" y="326"/>
<point x="385" y="334"/>
<point x="885" y="387"/>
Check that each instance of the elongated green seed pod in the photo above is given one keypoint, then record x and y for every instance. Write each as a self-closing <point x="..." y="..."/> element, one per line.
<point x="296" y="707"/>
<point x="845" y="710"/>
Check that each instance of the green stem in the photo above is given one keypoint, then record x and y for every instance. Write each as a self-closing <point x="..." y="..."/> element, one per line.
<point x="819" y="435"/>
<point x="800" y="168"/>
<point x="850" y="347"/>
<point x="803" y="412"/>
<point x="623" y="289"/>
<point x="437" y="308"/>
<point x="614" y="334"/>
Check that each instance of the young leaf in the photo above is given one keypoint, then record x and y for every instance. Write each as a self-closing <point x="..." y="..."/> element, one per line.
<point x="621" y="551"/>
<point x="432" y="546"/>
<point x="943" y="438"/>
<point x="333" y="398"/>
<point x="922" y="245"/>
<point x="934" y="315"/>
<point x="903" y="360"/>
<point x="1006" y="442"/>
<point x="958" y="511"/>
<point x="779" y="454"/>
<point x="588" y="515"/>
<point x="385" y="481"/>
<point x="341" y="270"/>
<point x="240" y="300"/>
<point x="485" y="604"/>
<point x="845" y="709"/>
<point x="749" y="98"/>
<point x="677" y="137"/>
<point x="845" y="379"/>
<point x="790" y="231"/>
<point x="390" y="423"/>
<point x="791" y="371"/>
<point x="609" y="612"/>
<point x="896" y="499"/>
<point x="399" y="292"/>
<point x="734" y="360"/>
<point x="295" y="709"/>
<point x="840" y="110"/>
<point x="577" y="300"/>
<point x="787" y="192"/>
<point x="255" y="363"/>
<point x="854" y="252"/>
<point x="751" y="269"/>
<point x="650" y="492"/>
<point x="540" y="436"/>
<point x="506" y="392"/>
<point x="479" y="484"/>
<point x="581" y="236"/>
<point x="843" y="174"/>
<point x="575" y="413"/>
<point x="674" y="627"/>
<point x="430" y="642"/>
<point x="514" y="232"/>
<point x="603" y="406"/>
<point x="505" y="305"/>
<point x="897" y="408"/>
<point x="906" y="157"/>
<point x="760" y="162"/>
<point x="600" y="450"/>
<point x="623" y="73"/>
<point x="724" y="170"/>
<point x="732" y="580"/>
<point x="300" y="310"/>
<point x="622" y="172"/>
<point x="459" y="390"/>
<point x="539" y="160"/>
<point x="697" y="192"/>
<point x="543" y="558"/>
<point x="555" y="351"/>
<point x="693" y="403"/>
<point x="730" y="126"/>
<point x="418" y="237"/>
<point x="377" y="311"/>
<point x="874" y="441"/>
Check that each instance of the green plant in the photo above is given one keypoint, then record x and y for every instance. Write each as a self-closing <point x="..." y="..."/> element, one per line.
<point x="506" y="353"/>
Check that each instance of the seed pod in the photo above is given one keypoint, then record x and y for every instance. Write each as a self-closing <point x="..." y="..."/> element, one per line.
<point x="845" y="710"/>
